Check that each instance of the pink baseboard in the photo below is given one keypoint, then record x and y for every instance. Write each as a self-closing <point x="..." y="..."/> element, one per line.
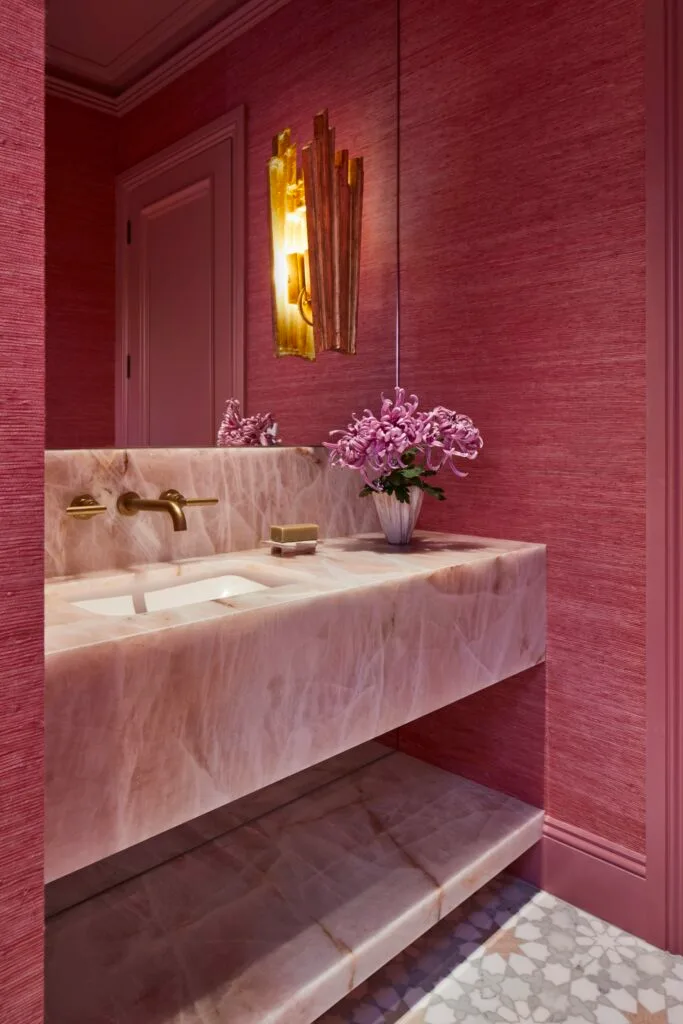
<point x="596" y="875"/>
<point x="595" y="846"/>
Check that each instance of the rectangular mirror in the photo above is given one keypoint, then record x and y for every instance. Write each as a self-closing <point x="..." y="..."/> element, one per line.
<point x="160" y="124"/>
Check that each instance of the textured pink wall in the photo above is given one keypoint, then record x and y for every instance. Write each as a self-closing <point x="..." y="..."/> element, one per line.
<point x="80" y="275"/>
<point x="21" y="485"/>
<point x="496" y="736"/>
<point x="523" y="304"/>
<point x="303" y="58"/>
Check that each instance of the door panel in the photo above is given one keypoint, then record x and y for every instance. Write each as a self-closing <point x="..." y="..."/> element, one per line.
<point x="177" y="276"/>
<point x="178" y="301"/>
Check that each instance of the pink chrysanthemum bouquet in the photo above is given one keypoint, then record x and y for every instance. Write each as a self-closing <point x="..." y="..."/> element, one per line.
<point x="404" y="447"/>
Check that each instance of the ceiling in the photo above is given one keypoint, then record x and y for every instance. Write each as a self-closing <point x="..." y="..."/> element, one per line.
<point x="110" y="46"/>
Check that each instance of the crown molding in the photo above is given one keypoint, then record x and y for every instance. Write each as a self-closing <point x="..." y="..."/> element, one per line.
<point x="55" y="86"/>
<point x="231" y="27"/>
<point x="109" y="75"/>
<point x="210" y="42"/>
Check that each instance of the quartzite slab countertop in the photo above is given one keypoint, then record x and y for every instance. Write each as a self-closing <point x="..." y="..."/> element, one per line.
<point x="275" y="921"/>
<point x="154" y="719"/>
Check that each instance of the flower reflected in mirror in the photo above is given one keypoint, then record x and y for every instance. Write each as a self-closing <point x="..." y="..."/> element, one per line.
<point x="237" y="431"/>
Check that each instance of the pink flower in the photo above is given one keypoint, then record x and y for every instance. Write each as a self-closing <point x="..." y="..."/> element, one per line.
<point x="237" y="431"/>
<point x="376" y="446"/>
<point x="449" y="435"/>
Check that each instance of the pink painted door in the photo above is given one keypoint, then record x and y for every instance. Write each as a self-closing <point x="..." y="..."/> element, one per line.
<point x="177" y="308"/>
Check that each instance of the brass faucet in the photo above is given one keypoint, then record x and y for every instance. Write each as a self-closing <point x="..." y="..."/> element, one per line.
<point x="171" y="501"/>
<point x="84" y="506"/>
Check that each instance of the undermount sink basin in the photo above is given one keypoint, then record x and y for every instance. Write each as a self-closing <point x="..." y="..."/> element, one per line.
<point x="178" y="595"/>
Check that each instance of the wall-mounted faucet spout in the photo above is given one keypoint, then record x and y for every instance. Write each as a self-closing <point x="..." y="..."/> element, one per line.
<point x="171" y="501"/>
<point x="130" y="503"/>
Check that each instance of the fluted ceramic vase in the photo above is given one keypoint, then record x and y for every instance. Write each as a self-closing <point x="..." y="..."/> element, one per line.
<point x="398" y="518"/>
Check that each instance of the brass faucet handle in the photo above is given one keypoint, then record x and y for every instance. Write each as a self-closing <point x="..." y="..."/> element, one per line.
<point x="125" y="503"/>
<point x="173" y="495"/>
<point x="200" y="501"/>
<point x="84" y="506"/>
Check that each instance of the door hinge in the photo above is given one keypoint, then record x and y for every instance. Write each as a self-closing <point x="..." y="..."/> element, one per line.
<point x="129" y="233"/>
<point x="128" y="367"/>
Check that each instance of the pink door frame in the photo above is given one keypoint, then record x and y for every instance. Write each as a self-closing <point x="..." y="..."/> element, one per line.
<point x="231" y="127"/>
<point x="664" y="120"/>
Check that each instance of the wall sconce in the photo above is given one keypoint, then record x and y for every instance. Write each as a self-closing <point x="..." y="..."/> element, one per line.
<point x="315" y="221"/>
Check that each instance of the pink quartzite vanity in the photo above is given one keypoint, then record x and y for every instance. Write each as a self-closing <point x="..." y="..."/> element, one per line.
<point x="179" y="685"/>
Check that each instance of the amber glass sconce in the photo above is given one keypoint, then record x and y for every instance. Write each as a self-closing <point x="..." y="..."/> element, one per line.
<point x="315" y="221"/>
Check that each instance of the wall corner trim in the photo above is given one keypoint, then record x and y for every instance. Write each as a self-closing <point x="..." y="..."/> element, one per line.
<point x="664" y="235"/>
<point x="233" y="25"/>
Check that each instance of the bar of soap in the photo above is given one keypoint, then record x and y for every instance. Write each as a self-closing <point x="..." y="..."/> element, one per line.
<point x="293" y="533"/>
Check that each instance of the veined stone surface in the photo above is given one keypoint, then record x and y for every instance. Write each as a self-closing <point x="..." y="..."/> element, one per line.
<point x="275" y="922"/>
<point x="154" y="719"/>
<point x="255" y="488"/>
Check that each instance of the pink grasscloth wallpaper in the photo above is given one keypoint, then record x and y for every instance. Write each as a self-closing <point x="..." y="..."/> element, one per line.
<point x="348" y="64"/>
<point x="80" y="146"/>
<point x="21" y="485"/>
<point x="523" y="304"/>
<point x="523" y="266"/>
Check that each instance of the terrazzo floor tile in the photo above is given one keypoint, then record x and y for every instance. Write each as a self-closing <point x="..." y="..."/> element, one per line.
<point x="513" y="954"/>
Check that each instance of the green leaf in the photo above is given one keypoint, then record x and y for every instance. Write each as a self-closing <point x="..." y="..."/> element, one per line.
<point x="436" y="492"/>
<point x="399" y="482"/>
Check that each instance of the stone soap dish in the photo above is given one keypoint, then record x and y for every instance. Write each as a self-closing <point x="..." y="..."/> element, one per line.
<point x="294" y="539"/>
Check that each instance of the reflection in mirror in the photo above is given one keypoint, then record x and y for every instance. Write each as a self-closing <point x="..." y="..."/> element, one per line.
<point x="316" y="215"/>
<point x="160" y="306"/>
